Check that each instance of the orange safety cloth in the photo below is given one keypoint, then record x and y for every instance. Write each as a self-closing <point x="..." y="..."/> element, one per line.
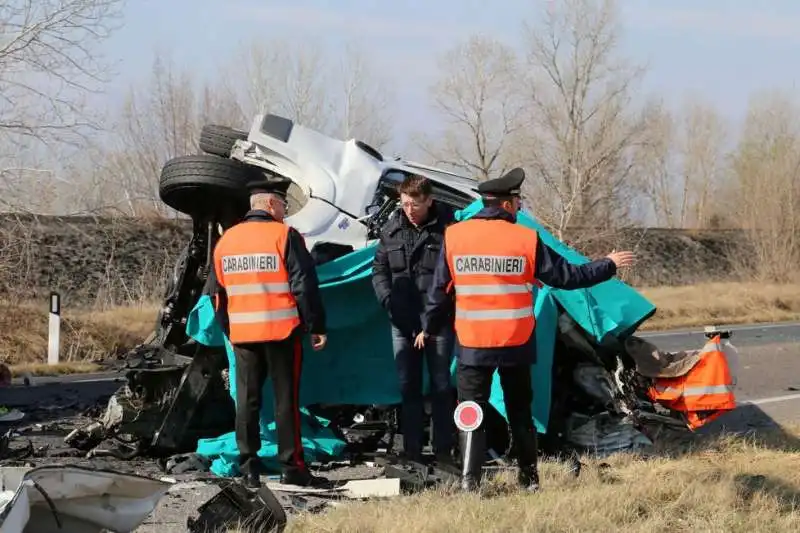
<point x="249" y="264"/>
<point x="704" y="393"/>
<point x="492" y="266"/>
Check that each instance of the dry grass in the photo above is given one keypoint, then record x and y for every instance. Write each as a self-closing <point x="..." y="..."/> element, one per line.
<point x="729" y="484"/>
<point x="86" y="335"/>
<point x="722" y="303"/>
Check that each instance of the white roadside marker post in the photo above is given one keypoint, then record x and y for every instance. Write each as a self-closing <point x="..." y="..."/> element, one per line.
<point x="54" y="333"/>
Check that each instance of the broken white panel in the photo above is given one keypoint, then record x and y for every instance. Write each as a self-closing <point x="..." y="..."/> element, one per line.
<point x="298" y="489"/>
<point x="355" y="489"/>
<point x="71" y="499"/>
<point x="372" y="488"/>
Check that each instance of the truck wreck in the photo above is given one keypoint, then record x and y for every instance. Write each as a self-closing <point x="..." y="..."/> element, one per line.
<point x="591" y="392"/>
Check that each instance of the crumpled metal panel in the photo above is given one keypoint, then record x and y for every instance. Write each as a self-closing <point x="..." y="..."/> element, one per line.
<point x="237" y="507"/>
<point x="597" y="382"/>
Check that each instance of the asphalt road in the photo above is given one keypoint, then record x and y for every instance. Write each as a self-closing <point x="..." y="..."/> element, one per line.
<point x="743" y="336"/>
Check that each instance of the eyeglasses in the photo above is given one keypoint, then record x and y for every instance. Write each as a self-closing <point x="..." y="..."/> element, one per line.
<point x="412" y="205"/>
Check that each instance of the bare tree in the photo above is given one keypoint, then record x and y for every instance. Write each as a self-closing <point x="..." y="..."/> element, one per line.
<point x="49" y="64"/>
<point x="681" y="163"/>
<point x="655" y="165"/>
<point x="584" y="128"/>
<point x="341" y="96"/>
<point x="364" y="110"/>
<point x="701" y="151"/>
<point x="157" y="121"/>
<point x="478" y="98"/>
<point x="766" y="167"/>
<point x="284" y="79"/>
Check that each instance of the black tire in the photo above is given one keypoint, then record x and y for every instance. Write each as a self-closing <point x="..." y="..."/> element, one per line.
<point x="205" y="185"/>
<point x="218" y="140"/>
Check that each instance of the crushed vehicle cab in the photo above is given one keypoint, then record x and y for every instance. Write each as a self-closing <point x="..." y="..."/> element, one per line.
<point x="589" y="391"/>
<point x="345" y="189"/>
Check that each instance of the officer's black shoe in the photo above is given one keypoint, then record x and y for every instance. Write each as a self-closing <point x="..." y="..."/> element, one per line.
<point x="252" y="480"/>
<point x="250" y="467"/>
<point x="528" y="478"/>
<point x="527" y="454"/>
<point x="303" y="478"/>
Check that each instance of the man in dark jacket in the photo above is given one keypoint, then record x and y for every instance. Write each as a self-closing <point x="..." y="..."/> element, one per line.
<point x="402" y="271"/>
<point x="491" y="263"/>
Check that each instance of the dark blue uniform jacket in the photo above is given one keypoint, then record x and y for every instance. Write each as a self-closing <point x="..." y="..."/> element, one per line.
<point x="551" y="269"/>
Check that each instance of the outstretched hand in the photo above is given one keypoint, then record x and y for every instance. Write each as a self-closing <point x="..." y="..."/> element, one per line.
<point x="622" y="259"/>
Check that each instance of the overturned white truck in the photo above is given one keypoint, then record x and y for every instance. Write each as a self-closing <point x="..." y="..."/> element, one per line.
<point x="589" y="391"/>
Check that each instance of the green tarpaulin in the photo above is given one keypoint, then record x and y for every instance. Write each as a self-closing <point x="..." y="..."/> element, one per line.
<point x="357" y="366"/>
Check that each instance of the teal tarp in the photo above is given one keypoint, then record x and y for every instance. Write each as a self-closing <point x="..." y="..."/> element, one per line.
<point x="357" y="365"/>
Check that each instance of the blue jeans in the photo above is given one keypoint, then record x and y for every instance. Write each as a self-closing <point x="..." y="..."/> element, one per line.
<point x="438" y="352"/>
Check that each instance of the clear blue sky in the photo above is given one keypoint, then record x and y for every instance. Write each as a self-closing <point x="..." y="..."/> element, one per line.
<point x="720" y="49"/>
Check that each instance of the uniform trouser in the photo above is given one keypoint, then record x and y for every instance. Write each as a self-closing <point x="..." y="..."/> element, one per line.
<point x="437" y="353"/>
<point x="282" y="361"/>
<point x="475" y="383"/>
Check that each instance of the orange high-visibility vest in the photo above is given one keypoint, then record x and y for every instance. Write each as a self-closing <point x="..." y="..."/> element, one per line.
<point x="708" y="386"/>
<point x="249" y="264"/>
<point x="492" y="265"/>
